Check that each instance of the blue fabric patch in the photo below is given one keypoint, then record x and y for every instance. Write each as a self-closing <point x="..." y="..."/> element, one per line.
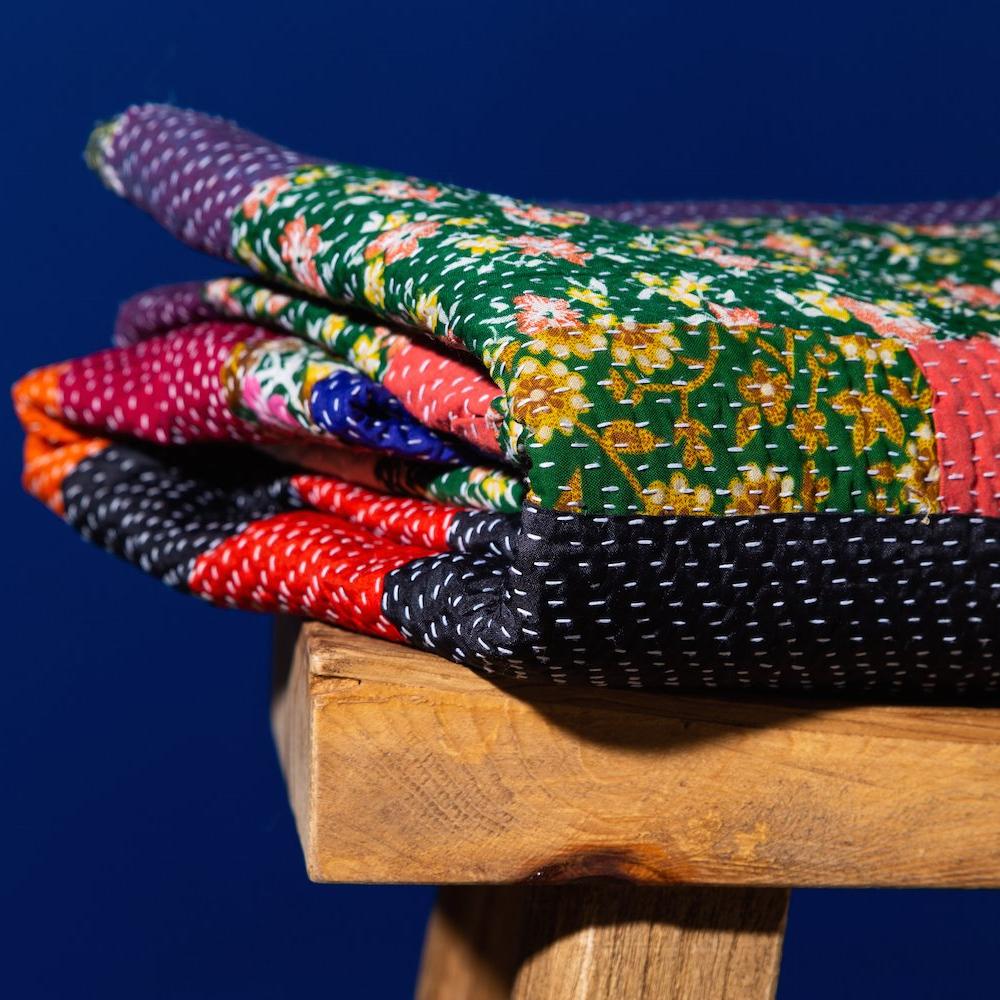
<point x="355" y="409"/>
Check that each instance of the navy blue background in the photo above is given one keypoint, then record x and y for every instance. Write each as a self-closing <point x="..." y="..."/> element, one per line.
<point x="147" y="849"/>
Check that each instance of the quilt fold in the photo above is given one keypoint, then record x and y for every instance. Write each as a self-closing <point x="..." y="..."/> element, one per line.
<point x="733" y="446"/>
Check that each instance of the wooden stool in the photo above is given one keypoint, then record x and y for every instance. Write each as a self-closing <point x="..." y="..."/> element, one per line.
<point x="576" y="829"/>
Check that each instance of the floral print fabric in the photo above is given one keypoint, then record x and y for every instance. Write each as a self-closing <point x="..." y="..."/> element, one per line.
<point x="749" y="366"/>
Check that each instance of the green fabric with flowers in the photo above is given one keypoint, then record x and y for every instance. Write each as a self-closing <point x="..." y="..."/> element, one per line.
<point x="750" y="366"/>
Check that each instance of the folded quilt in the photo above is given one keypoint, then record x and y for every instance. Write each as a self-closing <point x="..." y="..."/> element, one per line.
<point x="736" y="446"/>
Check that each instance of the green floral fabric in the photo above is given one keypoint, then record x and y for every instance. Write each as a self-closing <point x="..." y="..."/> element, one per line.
<point x="750" y="366"/>
<point x="364" y="345"/>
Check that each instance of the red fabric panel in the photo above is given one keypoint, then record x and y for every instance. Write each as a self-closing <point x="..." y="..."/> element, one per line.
<point x="965" y="377"/>
<point x="305" y="563"/>
<point x="444" y="392"/>
<point x="402" y="519"/>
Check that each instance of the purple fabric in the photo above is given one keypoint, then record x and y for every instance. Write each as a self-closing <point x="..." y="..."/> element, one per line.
<point x="190" y="171"/>
<point x="921" y="213"/>
<point x="159" y="310"/>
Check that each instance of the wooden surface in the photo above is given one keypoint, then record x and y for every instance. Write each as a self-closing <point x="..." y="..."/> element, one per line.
<point x="403" y="767"/>
<point x="595" y="941"/>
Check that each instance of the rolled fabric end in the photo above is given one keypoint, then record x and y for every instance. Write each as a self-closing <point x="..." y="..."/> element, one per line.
<point x="97" y="151"/>
<point x="189" y="170"/>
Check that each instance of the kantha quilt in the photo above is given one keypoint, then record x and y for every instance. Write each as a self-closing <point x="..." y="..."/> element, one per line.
<point x="729" y="446"/>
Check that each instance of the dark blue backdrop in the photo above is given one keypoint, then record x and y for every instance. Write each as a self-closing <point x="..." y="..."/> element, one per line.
<point x="147" y="847"/>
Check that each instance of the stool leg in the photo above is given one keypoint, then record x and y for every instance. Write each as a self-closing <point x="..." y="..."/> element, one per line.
<point x="595" y="941"/>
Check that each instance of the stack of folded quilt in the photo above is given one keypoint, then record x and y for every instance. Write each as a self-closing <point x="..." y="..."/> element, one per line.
<point x="736" y="447"/>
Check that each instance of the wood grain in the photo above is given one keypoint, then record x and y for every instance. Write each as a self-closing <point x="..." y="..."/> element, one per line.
<point x="403" y="767"/>
<point x="594" y="941"/>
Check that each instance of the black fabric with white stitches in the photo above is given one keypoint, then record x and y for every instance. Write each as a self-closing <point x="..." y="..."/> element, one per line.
<point x="483" y="533"/>
<point x="162" y="508"/>
<point x="849" y="604"/>
<point x="833" y="603"/>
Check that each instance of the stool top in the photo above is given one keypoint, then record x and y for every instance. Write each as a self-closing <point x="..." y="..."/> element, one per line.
<point x="403" y="767"/>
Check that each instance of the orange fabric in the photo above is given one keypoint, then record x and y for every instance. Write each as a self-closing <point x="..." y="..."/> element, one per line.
<point x="52" y="448"/>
